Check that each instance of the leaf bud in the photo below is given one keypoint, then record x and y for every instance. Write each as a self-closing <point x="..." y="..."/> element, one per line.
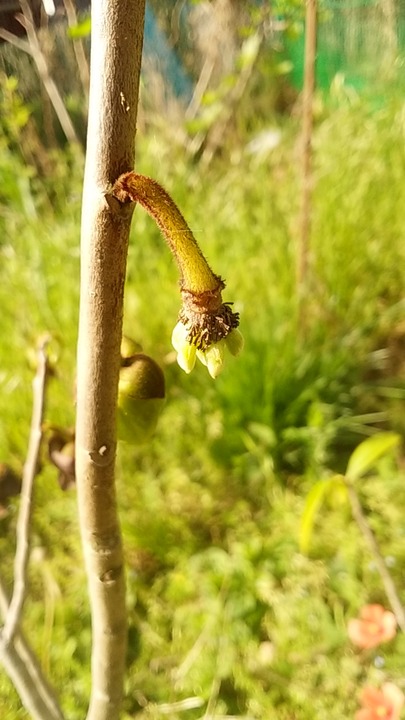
<point x="141" y="392"/>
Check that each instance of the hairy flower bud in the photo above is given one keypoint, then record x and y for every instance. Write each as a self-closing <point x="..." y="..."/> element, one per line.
<point x="129" y="348"/>
<point x="206" y="324"/>
<point x="141" y="392"/>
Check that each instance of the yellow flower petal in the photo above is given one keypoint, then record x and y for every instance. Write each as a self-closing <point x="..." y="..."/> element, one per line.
<point x="186" y="357"/>
<point x="179" y="336"/>
<point x="214" y="358"/>
<point x="186" y="353"/>
<point x="201" y="357"/>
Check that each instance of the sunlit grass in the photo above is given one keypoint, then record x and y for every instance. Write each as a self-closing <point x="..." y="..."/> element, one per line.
<point x="222" y="605"/>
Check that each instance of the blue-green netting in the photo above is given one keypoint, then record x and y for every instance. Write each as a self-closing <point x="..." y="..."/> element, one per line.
<point x="361" y="41"/>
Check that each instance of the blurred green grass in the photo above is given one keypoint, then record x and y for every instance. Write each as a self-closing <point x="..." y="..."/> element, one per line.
<point x="222" y="605"/>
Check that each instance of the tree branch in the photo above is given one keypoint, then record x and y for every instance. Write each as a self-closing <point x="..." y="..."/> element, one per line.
<point x="13" y="615"/>
<point x="34" y="49"/>
<point x="24" y="671"/>
<point x="78" y="49"/>
<point x="14" y="40"/>
<point x="19" y="661"/>
<point x="117" y="36"/>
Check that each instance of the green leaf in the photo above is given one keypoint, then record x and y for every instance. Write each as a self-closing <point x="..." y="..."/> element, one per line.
<point x="250" y="49"/>
<point x="82" y="29"/>
<point x="284" y="67"/>
<point x="313" y="502"/>
<point x="368" y="452"/>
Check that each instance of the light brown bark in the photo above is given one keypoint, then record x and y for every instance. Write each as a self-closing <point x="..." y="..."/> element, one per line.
<point x="117" y="35"/>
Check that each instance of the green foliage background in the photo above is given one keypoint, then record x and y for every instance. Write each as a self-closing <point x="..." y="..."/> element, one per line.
<point x="227" y="617"/>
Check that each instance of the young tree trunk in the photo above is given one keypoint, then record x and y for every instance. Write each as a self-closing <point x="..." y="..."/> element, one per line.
<point x="117" y="36"/>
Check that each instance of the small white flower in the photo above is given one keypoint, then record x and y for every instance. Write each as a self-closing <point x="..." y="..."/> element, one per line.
<point x="186" y="353"/>
<point x="212" y="357"/>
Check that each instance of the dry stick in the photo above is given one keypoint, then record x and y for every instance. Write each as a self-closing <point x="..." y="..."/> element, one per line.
<point x="18" y="660"/>
<point x="390" y="27"/>
<point x="40" y="61"/>
<point x="24" y="671"/>
<point x="116" y="49"/>
<point x="194" y="143"/>
<point x="304" y="227"/>
<point x="14" y="40"/>
<point x="35" y="695"/>
<point x="389" y="586"/>
<point x="78" y="48"/>
<point x="200" y="88"/>
<point x="13" y="616"/>
<point x="216" y="135"/>
<point x="50" y="87"/>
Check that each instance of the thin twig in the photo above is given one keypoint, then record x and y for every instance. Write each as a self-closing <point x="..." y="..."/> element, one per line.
<point x="215" y="136"/>
<point x="187" y="704"/>
<point x="34" y="49"/>
<point x="200" y="88"/>
<point x="13" y="616"/>
<point x="307" y="128"/>
<point x="35" y="695"/>
<point x="14" y="40"/>
<point x="196" y="650"/>
<point x="78" y="49"/>
<point x="24" y="670"/>
<point x="212" y="700"/>
<point x="389" y="586"/>
<point x="390" y="28"/>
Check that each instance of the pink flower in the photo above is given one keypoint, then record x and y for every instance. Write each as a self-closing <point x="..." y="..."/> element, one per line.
<point x="374" y="626"/>
<point x="384" y="704"/>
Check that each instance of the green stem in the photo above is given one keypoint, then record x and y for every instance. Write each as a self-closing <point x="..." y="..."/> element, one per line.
<point x="196" y="275"/>
<point x="385" y="576"/>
